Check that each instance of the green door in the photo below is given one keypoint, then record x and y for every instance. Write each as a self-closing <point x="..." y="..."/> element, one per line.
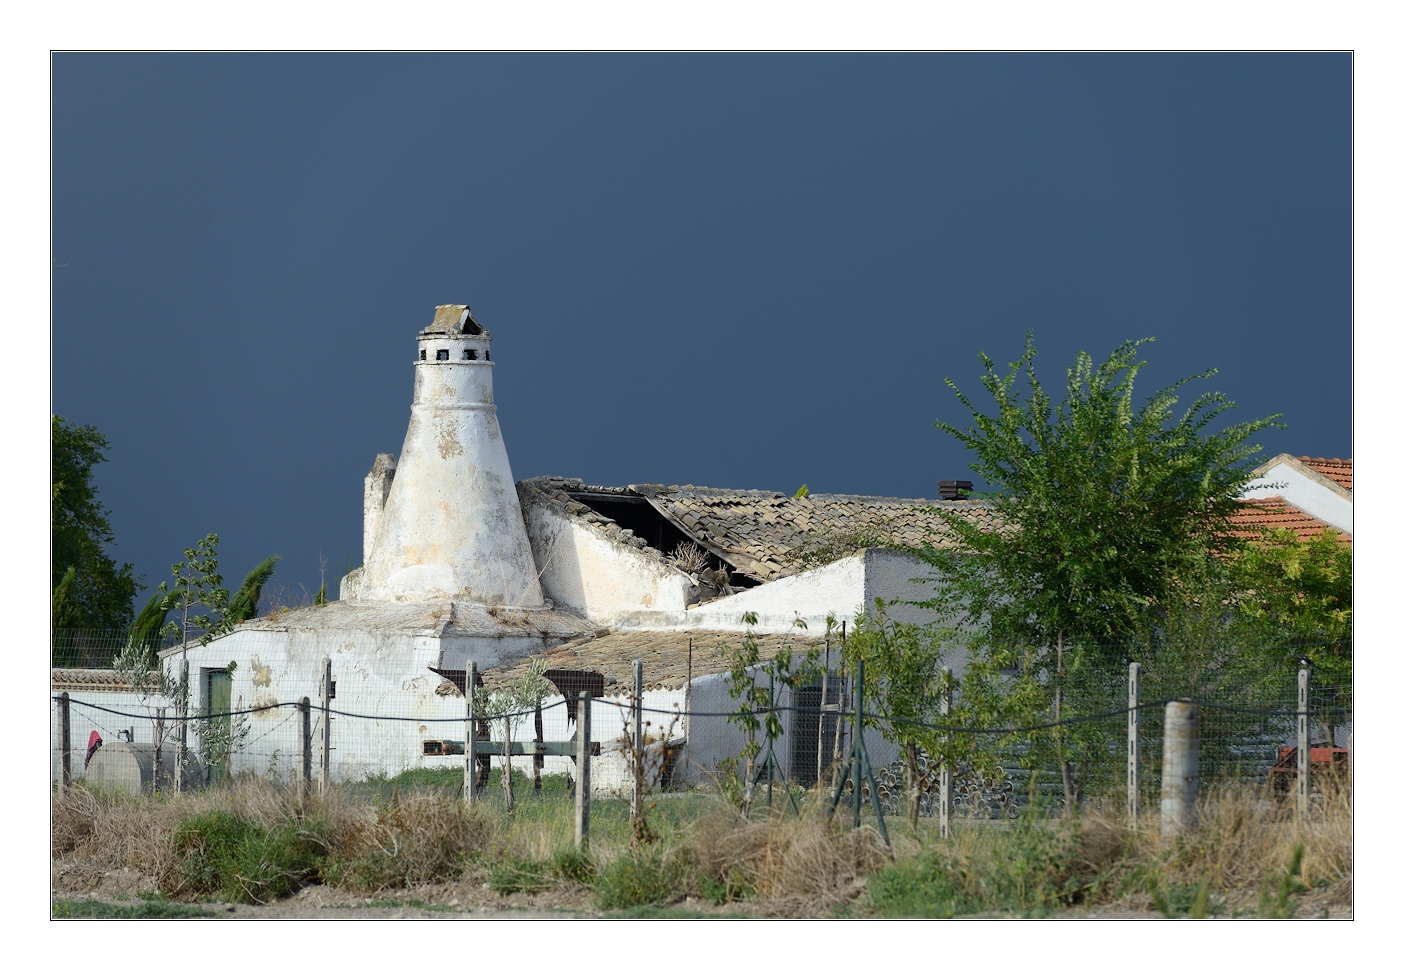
<point x="218" y="730"/>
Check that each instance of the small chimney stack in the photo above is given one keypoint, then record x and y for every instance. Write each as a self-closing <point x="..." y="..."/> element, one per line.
<point x="955" y="488"/>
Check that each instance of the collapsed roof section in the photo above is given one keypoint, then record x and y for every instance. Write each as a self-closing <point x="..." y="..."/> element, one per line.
<point x="757" y="534"/>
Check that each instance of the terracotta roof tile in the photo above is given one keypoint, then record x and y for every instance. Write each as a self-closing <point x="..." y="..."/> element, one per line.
<point x="664" y="656"/>
<point x="1338" y="470"/>
<point x="1255" y="515"/>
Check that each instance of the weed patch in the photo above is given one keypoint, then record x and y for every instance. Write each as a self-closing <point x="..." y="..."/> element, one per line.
<point x="231" y="858"/>
<point x="147" y="910"/>
<point x="642" y="877"/>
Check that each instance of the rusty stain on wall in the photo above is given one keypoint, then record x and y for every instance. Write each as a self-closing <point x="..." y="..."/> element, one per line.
<point x="262" y="673"/>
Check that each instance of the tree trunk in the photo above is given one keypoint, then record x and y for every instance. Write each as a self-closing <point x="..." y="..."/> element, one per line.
<point x="913" y="785"/>
<point x="1068" y="801"/>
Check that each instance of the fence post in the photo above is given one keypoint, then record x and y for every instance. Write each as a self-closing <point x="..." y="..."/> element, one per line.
<point x="67" y="740"/>
<point x="1180" y="776"/>
<point x="328" y="692"/>
<point x="1303" y="740"/>
<point x="470" y="735"/>
<point x="943" y="795"/>
<point x="582" y="773"/>
<point x="304" y="737"/>
<point x="1133" y="743"/>
<point x="636" y="802"/>
<point x="183" y="752"/>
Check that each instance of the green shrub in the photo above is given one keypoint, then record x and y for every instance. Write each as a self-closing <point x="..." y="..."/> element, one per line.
<point x="734" y="884"/>
<point x="923" y="886"/>
<point x="231" y="858"/>
<point x="644" y="876"/>
<point x="1031" y="867"/>
<point x="572" y="865"/>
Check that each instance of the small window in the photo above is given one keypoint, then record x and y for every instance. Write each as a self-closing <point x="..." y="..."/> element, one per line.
<point x="441" y="355"/>
<point x="487" y="355"/>
<point x="422" y="356"/>
<point x="470" y="355"/>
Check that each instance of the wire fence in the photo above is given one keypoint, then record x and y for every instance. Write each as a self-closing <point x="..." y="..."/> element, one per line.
<point x="385" y="721"/>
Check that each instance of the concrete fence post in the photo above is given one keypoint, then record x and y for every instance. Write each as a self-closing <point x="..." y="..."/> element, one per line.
<point x="582" y="773"/>
<point x="944" y="793"/>
<point x="304" y="738"/>
<point x="1179" y="781"/>
<point x="66" y="739"/>
<point x="470" y="734"/>
<point x="328" y="693"/>
<point x="1133" y="743"/>
<point x="1303" y="740"/>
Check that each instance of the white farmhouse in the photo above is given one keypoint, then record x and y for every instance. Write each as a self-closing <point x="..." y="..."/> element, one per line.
<point x="462" y="564"/>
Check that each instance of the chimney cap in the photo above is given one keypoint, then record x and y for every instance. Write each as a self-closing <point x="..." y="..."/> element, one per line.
<point x="955" y="488"/>
<point x="455" y="320"/>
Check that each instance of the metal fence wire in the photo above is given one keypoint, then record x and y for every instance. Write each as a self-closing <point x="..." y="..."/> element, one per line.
<point x="383" y="721"/>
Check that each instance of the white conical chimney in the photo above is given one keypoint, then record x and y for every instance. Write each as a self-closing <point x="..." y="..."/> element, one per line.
<point x="452" y="527"/>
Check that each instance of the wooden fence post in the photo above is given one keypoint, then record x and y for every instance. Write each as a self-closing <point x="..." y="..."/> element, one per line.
<point x="304" y="738"/>
<point x="943" y="794"/>
<point x="67" y="741"/>
<point x="1179" y="781"/>
<point x="636" y="802"/>
<point x="1133" y="743"/>
<point x="328" y="693"/>
<point x="470" y="734"/>
<point x="1303" y="741"/>
<point x="582" y="773"/>
<point x="182" y="752"/>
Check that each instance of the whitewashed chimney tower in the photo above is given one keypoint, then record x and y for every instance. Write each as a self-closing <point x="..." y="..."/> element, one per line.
<point x="452" y="527"/>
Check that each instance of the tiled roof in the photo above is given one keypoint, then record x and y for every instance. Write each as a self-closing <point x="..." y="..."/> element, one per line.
<point x="664" y="656"/>
<point x="89" y="679"/>
<point x="1255" y="515"/>
<point x="769" y="534"/>
<point x="1337" y="470"/>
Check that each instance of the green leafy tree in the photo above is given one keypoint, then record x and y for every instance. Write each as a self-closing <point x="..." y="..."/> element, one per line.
<point x="505" y="705"/>
<point x="902" y="670"/>
<point x="99" y="592"/>
<point x="1299" y="586"/>
<point x="1100" y="505"/>
<point x="200" y="595"/>
<point x="755" y="709"/>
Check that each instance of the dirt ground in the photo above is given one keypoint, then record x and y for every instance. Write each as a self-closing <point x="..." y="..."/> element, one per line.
<point x="470" y="899"/>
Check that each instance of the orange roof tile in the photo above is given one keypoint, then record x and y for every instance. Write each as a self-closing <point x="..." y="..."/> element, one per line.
<point x="1336" y="469"/>
<point x="1255" y="515"/>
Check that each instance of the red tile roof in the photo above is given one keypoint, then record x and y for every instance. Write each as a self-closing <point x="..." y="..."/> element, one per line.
<point x="1255" y="515"/>
<point x="1336" y="469"/>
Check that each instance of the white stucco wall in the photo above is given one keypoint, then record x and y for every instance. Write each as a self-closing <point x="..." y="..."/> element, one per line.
<point x="452" y="525"/>
<point x="1307" y="494"/>
<point x="587" y="572"/>
<point x="376" y="673"/>
<point x="136" y="713"/>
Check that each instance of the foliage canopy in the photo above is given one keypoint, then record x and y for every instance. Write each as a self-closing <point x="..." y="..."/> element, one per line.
<point x="90" y="589"/>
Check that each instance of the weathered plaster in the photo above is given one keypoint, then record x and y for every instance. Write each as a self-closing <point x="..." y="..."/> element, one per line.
<point x="452" y="526"/>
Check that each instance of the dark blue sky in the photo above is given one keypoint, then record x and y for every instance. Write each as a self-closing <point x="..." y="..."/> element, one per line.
<point x="744" y="271"/>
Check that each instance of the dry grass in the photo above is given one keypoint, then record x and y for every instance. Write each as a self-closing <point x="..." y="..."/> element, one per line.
<point x="796" y="865"/>
<point x="783" y="864"/>
<point x="1245" y="837"/>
